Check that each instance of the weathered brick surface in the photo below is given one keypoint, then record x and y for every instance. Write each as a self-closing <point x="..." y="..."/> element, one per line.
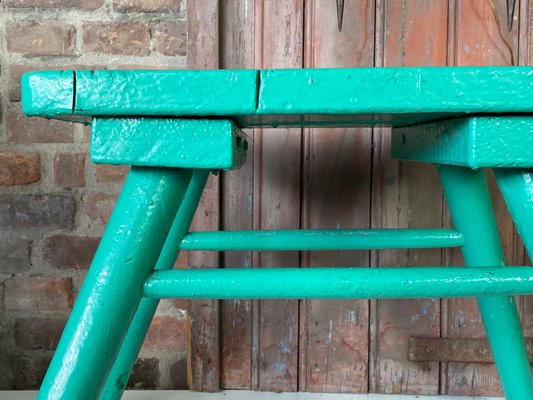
<point x="181" y="304"/>
<point x="20" y="211"/>
<point x="38" y="333"/>
<point x="171" y="38"/>
<point x="29" y="371"/>
<point x="127" y="38"/>
<point x="69" y="169"/>
<point x="17" y="168"/>
<point x="178" y="374"/>
<point x="14" y="254"/>
<point x="65" y="251"/>
<point x="149" y="67"/>
<point x="40" y="38"/>
<point x="83" y="4"/>
<point x="15" y="72"/>
<point x="41" y="233"/>
<point x="166" y="334"/>
<point x="21" y="129"/>
<point x="99" y="206"/>
<point x="145" y="374"/>
<point x="107" y="173"/>
<point x="146" y="5"/>
<point x="38" y="294"/>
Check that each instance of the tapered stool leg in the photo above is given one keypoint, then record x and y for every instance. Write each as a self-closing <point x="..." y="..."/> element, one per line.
<point x="516" y="186"/>
<point x="471" y="209"/>
<point x="112" y="290"/>
<point x="121" y="370"/>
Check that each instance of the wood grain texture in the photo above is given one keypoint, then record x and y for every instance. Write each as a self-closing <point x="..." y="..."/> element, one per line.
<point x="277" y="200"/>
<point x="334" y="334"/>
<point x="237" y="46"/>
<point x="455" y="350"/>
<point x="405" y="195"/>
<point x="204" y="348"/>
<point x="481" y="38"/>
<point x="278" y="345"/>
<point x="526" y="58"/>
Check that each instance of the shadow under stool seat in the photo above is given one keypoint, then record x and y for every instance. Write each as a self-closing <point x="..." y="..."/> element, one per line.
<point x="174" y="127"/>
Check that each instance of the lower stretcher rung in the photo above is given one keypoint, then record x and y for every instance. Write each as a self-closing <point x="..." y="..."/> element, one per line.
<point x="323" y="239"/>
<point x="340" y="283"/>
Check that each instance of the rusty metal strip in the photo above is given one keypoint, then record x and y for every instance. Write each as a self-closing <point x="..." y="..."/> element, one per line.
<point x="465" y="350"/>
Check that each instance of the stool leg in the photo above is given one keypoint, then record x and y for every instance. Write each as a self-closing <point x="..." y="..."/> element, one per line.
<point x="121" y="370"/>
<point x="110" y="295"/>
<point x="516" y="186"/>
<point x="471" y="209"/>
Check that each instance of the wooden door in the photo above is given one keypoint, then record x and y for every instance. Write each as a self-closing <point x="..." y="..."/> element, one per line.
<point x="340" y="178"/>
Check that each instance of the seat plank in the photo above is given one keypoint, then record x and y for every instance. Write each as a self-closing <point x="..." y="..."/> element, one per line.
<point x="293" y="97"/>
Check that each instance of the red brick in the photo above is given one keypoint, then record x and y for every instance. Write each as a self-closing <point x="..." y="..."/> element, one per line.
<point x="178" y="374"/>
<point x="82" y="4"/>
<point x="124" y="38"/>
<point x="181" y="263"/>
<point x="38" y="294"/>
<point x="69" y="169"/>
<point x="146" y="5"/>
<point x="38" y="333"/>
<point x="107" y="173"/>
<point x="15" y="72"/>
<point x="14" y="254"/>
<point x="18" y="168"/>
<point x="29" y="371"/>
<point x="40" y="38"/>
<point x="21" y="129"/>
<point x="64" y="251"/>
<point x="181" y="304"/>
<point x="86" y="134"/>
<point x="19" y="211"/>
<point x="166" y="334"/>
<point x="145" y="374"/>
<point x="148" y="67"/>
<point x="99" y="206"/>
<point x="171" y="38"/>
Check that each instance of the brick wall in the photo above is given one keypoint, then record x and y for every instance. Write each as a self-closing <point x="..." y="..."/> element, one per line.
<point x="54" y="202"/>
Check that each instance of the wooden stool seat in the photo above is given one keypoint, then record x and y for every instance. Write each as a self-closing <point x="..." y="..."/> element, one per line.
<point x="174" y="127"/>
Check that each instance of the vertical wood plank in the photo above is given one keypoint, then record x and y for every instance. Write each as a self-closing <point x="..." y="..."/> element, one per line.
<point x="203" y="335"/>
<point x="525" y="29"/>
<point x="526" y="58"/>
<point x="481" y="38"/>
<point x="406" y="195"/>
<point x="334" y="345"/>
<point x="277" y="200"/>
<point x="237" y="47"/>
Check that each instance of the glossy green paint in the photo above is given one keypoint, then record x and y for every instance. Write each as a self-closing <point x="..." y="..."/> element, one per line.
<point x="47" y="93"/>
<point x="168" y="142"/>
<point x="516" y="186"/>
<point x="474" y="142"/>
<point x="309" y="97"/>
<point x="471" y="209"/>
<point x="393" y="96"/>
<point x="322" y="239"/>
<point x="165" y="93"/>
<point x="121" y="370"/>
<point x="113" y="287"/>
<point x="339" y="283"/>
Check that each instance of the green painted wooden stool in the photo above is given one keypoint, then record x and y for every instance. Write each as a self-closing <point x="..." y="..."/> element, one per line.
<point x="173" y="127"/>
